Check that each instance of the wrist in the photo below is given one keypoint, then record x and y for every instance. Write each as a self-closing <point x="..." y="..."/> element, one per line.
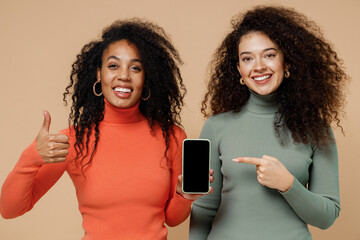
<point x="288" y="184"/>
<point x="180" y="193"/>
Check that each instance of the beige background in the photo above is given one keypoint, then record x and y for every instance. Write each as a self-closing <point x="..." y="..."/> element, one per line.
<point x="39" y="41"/>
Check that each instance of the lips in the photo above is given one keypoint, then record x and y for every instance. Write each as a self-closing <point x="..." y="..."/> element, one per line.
<point x="262" y="79"/>
<point x="123" y="92"/>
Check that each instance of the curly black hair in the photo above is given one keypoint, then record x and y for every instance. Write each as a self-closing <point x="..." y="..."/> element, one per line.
<point x="160" y="61"/>
<point x="310" y="100"/>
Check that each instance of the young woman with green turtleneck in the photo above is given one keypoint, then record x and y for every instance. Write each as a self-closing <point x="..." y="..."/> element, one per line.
<point x="273" y="152"/>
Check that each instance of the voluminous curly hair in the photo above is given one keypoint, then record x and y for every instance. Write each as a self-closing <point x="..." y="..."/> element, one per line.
<point x="310" y="100"/>
<point x="160" y="61"/>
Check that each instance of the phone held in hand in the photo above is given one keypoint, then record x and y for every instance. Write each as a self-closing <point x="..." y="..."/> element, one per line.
<point x="196" y="166"/>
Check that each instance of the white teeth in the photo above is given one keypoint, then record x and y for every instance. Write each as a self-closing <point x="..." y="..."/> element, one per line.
<point x="119" y="89"/>
<point x="262" y="78"/>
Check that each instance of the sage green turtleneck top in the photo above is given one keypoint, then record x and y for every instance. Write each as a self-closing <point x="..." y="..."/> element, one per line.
<point x="242" y="208"/>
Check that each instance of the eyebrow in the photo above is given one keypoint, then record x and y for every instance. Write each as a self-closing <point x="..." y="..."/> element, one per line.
<point x="265" y="50"/>
<point x="117" y="58"/>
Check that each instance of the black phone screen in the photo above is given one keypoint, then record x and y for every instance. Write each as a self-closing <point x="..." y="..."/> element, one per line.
<point x="196" y="165"/>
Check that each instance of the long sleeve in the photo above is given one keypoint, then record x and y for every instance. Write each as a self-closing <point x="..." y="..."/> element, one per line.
<point x="30" y="179"/>
<point x="320" y="204"/>
<point x="205" y="208"/>
<point x="178" y="208"/>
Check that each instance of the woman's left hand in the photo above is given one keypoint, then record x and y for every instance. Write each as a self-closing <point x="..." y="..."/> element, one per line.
<point x="193" y="197"/>
<point x="270" y="172"/>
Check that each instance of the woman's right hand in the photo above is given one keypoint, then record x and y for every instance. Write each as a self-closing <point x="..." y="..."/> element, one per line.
<point x="193" y="197"/>
<point x="52" y="148"/>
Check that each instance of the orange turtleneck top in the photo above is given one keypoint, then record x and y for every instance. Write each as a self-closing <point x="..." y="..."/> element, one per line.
<point x="130" y="188"/>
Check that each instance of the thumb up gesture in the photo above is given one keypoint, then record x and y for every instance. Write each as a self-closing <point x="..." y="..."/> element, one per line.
<point x="52" y="148"/>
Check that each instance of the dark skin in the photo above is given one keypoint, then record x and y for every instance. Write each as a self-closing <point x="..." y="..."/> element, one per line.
<point x="52" y="148"/>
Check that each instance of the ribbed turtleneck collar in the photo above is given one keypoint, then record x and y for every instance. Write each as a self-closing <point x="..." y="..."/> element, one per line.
<point x="261" y="104"/>
<point x="116" y="115"/>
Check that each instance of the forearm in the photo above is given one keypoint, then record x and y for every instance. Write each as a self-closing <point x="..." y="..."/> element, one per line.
<point x="177" y="211"/>
<point x="17" y="191"/>
<point x="177" y="208"/>
<point x="314" y="209"/>
<point x="28" y="182"/>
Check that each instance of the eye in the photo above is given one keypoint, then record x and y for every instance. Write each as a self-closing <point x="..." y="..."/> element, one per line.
<point x="245" y="59"/>
<point x="113" y="66"/>
<point x="270" y="55"/>
<point x="136" y="68"/>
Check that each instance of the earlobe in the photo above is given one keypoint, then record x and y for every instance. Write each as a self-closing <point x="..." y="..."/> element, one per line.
<point x="241" y="79"/>
<point x="287" y="72"/>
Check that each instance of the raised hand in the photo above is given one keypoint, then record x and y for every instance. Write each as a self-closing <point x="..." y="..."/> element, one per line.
<point x="52" y="148"/>
<point x="270" y="172"/>
<point x="193" y="197"/>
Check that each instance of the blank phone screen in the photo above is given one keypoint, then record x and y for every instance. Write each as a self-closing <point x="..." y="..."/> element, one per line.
<point x="196" y="157"/>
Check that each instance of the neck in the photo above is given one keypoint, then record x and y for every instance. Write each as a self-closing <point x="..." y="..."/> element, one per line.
<point x="261" y="104"/>
<point x="116" y="115"/>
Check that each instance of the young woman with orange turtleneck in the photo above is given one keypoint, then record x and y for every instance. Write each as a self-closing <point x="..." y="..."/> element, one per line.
<point x="123" y="149"/>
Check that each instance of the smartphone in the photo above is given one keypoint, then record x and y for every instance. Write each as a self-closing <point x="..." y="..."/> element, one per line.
<point x="196" y="166"/>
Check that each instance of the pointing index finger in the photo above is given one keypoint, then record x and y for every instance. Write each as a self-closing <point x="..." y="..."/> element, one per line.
<point x="249" y="160"/>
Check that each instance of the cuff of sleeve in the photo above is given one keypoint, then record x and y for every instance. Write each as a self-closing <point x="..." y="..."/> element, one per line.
<point x="295" y="186"/>
<point x="180" y="198"/>
<point x="178" y="202"/>
<point x="30" y="156"/>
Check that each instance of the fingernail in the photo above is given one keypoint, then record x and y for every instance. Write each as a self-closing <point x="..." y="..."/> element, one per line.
<point x="235" y="160"/>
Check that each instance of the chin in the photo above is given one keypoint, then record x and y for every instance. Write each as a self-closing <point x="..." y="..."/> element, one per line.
<point x="262" y="92"/>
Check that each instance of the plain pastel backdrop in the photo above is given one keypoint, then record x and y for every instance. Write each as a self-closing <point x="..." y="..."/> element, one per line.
<point x="39" y="40"/>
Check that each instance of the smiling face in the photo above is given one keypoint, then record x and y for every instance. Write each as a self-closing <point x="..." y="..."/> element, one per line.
<point x="121" y="75"/>
<point x="261" y="63"/>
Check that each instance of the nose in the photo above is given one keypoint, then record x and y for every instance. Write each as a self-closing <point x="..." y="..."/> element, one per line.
<point x="123" y="74"/>
<point x="259" y="65"/>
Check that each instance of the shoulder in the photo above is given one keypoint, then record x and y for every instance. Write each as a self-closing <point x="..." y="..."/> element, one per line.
<point x="221" y="119"/>
<point x="179" y="133"/>
<point x="330" y="144"/>
<point x="225" y="116"/>
<point x="175" y="145"/>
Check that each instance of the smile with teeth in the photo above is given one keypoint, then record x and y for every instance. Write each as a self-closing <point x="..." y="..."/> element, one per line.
<point x="261" y="78"/>
<point x="122" y="90"/>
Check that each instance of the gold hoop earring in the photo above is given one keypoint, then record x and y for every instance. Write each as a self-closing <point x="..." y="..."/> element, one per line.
<point x="287" y="74"/>
<point x="94" y="90"/>
<point x="148" y="97"/>
<point x="242" y="81"/>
